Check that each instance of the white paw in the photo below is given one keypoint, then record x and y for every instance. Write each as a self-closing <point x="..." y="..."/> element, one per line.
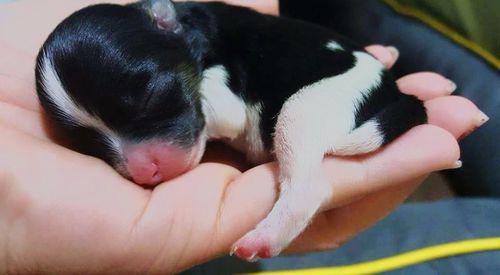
<point x="257" y="244"/>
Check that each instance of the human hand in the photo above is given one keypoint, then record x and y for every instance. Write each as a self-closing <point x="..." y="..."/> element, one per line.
<point x="64" y="211"/>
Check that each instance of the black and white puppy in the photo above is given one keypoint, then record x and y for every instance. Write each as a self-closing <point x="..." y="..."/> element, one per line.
<point x="144" y="86"/>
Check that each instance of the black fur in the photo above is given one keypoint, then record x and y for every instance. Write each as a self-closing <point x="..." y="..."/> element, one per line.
<point x="143" y="81"/>
<point x="394" y="111"/>
<point x="116" y="64"/>
<point x="270" y="58"/>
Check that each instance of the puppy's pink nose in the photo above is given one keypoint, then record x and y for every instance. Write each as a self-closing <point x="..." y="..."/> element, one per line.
<point x="147" y="173"/>
<point x="153" y="163"/>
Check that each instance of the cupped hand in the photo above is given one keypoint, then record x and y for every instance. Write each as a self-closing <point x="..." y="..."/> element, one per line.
<point x="62" y="211"/>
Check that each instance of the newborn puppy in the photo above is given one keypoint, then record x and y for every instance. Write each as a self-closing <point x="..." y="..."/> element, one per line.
<point x="144" y="86"/>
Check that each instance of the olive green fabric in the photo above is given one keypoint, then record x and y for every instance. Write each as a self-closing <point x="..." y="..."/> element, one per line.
<point x="478" y="20"/>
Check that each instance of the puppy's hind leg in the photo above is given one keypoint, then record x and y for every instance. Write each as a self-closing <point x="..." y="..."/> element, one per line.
<point x="388" y="124"/>
<point x="301" y="140"/>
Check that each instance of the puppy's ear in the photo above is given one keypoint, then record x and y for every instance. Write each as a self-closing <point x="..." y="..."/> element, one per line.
<point x="164" y="14"/>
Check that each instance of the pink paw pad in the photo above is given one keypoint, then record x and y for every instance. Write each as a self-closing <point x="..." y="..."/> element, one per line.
<point x="251" y="254"/>
<point x="251" y="250"/>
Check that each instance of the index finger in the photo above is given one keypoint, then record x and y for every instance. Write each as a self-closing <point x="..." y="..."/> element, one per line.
<point x="387" y="55"/>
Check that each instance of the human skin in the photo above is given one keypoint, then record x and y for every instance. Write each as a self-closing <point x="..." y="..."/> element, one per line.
<point x="61" y="211"/>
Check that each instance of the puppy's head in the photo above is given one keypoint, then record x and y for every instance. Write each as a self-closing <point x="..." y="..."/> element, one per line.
<point x="121" y="82"/>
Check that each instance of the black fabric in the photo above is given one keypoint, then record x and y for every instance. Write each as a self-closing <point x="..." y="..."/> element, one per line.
<point x="423" y="49"/>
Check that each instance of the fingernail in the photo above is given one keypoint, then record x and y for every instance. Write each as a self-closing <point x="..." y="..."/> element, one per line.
<point x="451" y="87"/>
<point x="394" y="52"/>
<point x="481" y="119"/>
<point x="253" y="259"/>
<point x="456" y="165"/>
<point x="231" y="252"/>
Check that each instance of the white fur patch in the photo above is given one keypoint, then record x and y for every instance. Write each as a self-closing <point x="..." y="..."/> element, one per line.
<point x="225" y="113"/>
<point x="229" y="117"/>
<point x="364" y="139"/>
<point x="69" y="109"/>
<point x="256" y="152"/>
<point x="334" y="46"/>
<point x="323" y="112"/>
<point x="250" y="141"/>
<point x="316" y="120"/>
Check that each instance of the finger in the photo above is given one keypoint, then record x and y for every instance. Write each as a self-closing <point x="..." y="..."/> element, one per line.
<point x="457" y="115"/>
<point x="16" y="63"/>
<point x="19" y="92"/>
<point x="27" y="121"/>
<point x="426" y="85"/>
<point x="387" y="55"/>
<point x="17" y="76"/>
<point x="422" y="150"/>
<point x="424" y="158"/>
<point x="447" y="112"/>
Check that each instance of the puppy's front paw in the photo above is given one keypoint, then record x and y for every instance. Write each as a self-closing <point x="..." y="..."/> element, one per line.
<point x="256" y="244"/>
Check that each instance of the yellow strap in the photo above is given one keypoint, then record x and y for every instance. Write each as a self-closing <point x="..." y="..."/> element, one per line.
<point x="401" y="260"/>
<point x="445" y="30"/>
